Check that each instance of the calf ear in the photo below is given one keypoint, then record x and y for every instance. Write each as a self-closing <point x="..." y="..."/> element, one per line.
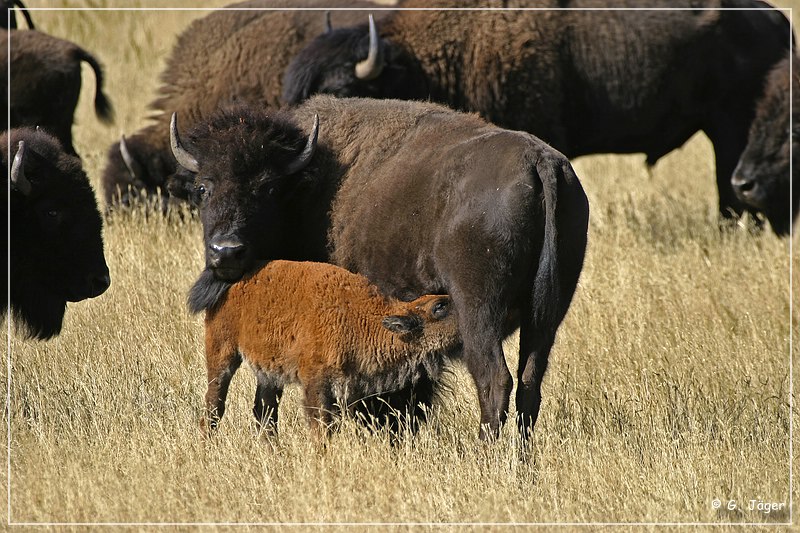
<point x="402" y="324"/>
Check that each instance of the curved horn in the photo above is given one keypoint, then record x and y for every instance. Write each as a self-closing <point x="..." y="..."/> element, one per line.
<point x="18" y="179"/>
<point x="372" y="66"/>
<point x="126" y="156"/>
<point x="308" y="152"/>
<point x="25" y="14"/>
<point x="328" y="27"/>
<point x="184" y="158"/>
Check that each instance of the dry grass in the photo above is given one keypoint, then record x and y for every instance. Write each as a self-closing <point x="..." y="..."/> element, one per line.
<point x="668" y="385"/>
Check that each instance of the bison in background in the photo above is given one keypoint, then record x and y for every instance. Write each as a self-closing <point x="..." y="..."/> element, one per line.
<point x="329" y="330"/>
<point x="46" y="82"/>
<point x="586" y="82"/>
<point x="56" y="246"/>
<point x="762" y="178"/>
<point x="226" y="57"/>
<point x="419" y="199"/>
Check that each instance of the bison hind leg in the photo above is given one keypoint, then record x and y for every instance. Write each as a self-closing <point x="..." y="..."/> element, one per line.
<point x="269" y="390"/>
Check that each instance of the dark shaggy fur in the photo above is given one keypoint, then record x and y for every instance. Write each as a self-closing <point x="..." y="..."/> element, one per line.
<point x="46" y="83"/>
<point x="224" y="58"/>
<point x="762" y="178"/>
<point x="419" y="199"/>
<point x="584" y="81"/>
<point x="56" y="235"/>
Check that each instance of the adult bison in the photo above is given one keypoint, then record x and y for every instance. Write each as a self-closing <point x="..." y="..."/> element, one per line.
<point x="762" y="179"/>
<point x="235" y="54"/>
<point x="56" y="244"/>
<point x="45" y="83"/>
<point x="418" y="198"/>
<point x="586" y="81"/>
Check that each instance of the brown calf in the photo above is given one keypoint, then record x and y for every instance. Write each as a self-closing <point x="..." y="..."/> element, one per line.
<point x="326" y="328"/>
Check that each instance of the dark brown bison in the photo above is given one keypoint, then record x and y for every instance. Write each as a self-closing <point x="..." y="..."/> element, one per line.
<point x="226" y="57"/>
<point x="326" y="328"/>
<point x="56" y="245"/>
<point x="419" y="199"/>
<point x="762" y="179"/>
<point x="46" y="82"/>
<point x="586" y="81"/>
<point x="10" y="20"/>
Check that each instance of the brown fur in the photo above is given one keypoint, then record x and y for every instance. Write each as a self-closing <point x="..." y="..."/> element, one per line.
<point x="321" y="326"/>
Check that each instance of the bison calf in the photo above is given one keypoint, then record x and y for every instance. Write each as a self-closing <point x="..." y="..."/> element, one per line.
<point x="56" y="243"/>
<point x="326" y="328"/>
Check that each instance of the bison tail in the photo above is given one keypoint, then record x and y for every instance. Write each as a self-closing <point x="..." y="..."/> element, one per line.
<point x="102" y="106"/>
<point x="564" y="245"/>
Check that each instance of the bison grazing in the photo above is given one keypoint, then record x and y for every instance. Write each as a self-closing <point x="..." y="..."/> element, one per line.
<point x="419" y="199"/>
<point x="585" y="81"/>
<point x="56" y="246"/>
<point x="762" y="177"/>
<point x="226" y="57"/>
<point x="326" y="328"/>
<point x="46" y="82"/>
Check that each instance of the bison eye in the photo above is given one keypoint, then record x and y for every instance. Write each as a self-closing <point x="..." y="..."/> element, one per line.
<point x="440" y="310"/>
<point x="51" y="219"/>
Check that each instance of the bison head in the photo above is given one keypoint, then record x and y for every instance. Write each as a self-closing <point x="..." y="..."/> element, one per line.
<point x="246" y="168"/>
<point x="762" y="179"/>
<point x="139" y="167"/>
<point x="352" y="62"/>
<point x="56" y="244"/>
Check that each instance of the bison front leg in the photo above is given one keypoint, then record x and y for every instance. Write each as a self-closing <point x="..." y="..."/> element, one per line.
<point x="220" y="372"/>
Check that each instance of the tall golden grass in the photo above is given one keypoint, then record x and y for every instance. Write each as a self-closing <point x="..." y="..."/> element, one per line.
<point x="668" y="386"/>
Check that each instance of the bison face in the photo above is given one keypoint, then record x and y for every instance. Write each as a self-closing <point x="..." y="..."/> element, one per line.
<point x="761" y="179"/>
<point x="137" y="169"/>
<point x="352" y="62"/>
<point x="245" y="166"/>
<point x="56" y="234"/>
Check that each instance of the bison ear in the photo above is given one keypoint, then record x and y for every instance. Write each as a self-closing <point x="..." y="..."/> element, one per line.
<point x="18" y="179"/>
<point x="402" y="324"/>
<point x="304" y="158"/>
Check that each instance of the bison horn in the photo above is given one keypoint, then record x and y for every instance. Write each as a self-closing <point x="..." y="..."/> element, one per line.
<point x="372" y="66"/>
<point x="18" y="179"/>
<point x="308" y="152"/>
<point x="328" y="27"/>
<point x="184" y="158"/>
<point x="126" y="156"/>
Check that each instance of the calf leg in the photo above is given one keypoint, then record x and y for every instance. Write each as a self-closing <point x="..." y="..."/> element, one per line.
<point x="319" y="406"/>
<point x="265" y="406"/>
<point x="220" y="372"/>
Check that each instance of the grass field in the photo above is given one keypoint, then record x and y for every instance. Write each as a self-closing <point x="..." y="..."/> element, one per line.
<point x="668" y="385"/>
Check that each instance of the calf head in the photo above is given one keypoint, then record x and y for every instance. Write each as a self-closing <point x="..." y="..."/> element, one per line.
<point x="762" y="177"/>
<point x="56" y="243"/>
<point x="429" y="321"/>
<point x="245" y="166"/>
<point x="352" y="62"/>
